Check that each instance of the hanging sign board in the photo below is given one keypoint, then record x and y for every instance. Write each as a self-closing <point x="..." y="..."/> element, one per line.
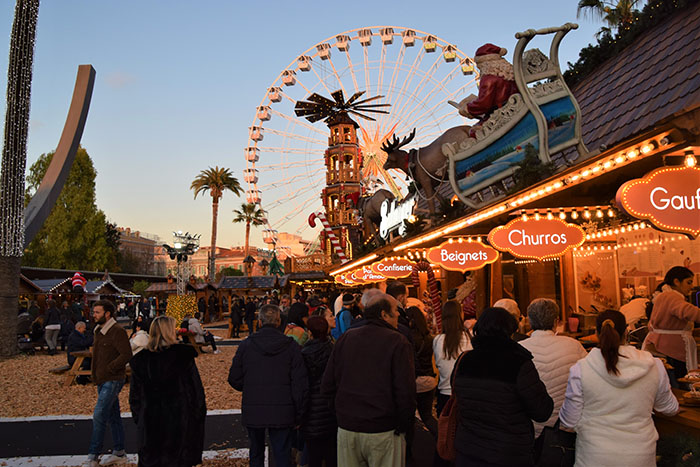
<point x="365" y="275"/>
<point x="343" y="279"/>
<point x="537" y="238"/>
<point x="394" y="268"/>
<point x="669" y="197"/>
<point x="462" y="256"/>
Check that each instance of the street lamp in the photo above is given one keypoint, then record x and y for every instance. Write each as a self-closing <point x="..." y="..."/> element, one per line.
<point x="184" y="245"/>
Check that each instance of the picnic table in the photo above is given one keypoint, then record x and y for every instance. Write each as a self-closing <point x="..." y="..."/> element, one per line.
<point x="76" y="370"/>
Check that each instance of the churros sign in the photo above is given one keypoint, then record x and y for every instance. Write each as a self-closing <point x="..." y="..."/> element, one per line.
<point x="669" y="197"/>
<point x="537" y="238"/>
<point x="462" y="256"/>
<point x="394" y="268"/>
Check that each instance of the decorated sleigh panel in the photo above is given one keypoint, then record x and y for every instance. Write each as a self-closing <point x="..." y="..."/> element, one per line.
<point x="543" y="117"/>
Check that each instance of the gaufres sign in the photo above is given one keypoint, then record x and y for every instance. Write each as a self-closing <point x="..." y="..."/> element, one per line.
<point x="395" y="215"/>
<point x="537" y="238"/>
<point x="394" y="268"/>
<point x="462" y="256"/>
<point x="668" y="197"/>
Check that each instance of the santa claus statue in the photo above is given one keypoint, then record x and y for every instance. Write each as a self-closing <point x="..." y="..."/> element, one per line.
<point x="496" y="85"/>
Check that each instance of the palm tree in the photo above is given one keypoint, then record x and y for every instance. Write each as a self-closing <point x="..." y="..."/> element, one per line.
<point x="14" y="160"/>
<point x="250" y="213"/>
<point x="215" y="181"/>
<point x="614" y="14"/>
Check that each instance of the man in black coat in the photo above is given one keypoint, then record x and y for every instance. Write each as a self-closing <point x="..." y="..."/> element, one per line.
<point x="269" y="369"/>
<point x="371" y="377"/>
<point x="250" y="315"/>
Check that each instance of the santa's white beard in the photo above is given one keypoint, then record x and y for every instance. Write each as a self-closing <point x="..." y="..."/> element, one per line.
<point x="498" y="67"/>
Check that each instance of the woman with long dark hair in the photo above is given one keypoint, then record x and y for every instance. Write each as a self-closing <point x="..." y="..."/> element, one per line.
<point x="449" y="345"/>
<point x="499" y="393"/>
<point x="610" y="397"/>
<point x="425" y="375"/>
<point x="319" y="426"/>
<point x="167" y="400"/>
<point x="671" y="323"/>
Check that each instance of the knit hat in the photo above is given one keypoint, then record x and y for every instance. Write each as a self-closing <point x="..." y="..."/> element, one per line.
<point x="489" y="52"/>
<point x="348" y="299"/>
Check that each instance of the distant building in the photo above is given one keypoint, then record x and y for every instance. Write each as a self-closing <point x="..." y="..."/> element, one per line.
<point x="291" y="245"/>
<point x="140" y="252"/>
<point x="225" y="257"/>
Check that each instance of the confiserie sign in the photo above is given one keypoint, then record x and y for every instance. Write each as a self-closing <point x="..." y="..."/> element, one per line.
<point x="669" y="197"/>
<point x="537" y="238"/>
<point x="394" y="268"/>
<point x="462" y="256"/>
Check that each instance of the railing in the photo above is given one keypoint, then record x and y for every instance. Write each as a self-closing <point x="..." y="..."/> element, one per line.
<point x="315" y="262"/>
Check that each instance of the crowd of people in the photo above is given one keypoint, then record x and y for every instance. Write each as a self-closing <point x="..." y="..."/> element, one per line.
<point x="338" y="380"/>
<point x="348" y="383"/>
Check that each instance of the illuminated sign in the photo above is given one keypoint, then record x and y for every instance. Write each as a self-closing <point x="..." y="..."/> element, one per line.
<point x="462" y="256"/>
<point x="365" y="275"/>
<point x="537" y="238"/>
<point x="669" y="197"/>
<point x="395" y="215"/>
<point x="394" y="268"/>
<point x="343" y="279"/>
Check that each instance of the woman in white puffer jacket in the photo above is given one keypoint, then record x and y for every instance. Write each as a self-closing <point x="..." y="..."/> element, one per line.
<point x="553" y="355"/>
<point x="610" y="398"/>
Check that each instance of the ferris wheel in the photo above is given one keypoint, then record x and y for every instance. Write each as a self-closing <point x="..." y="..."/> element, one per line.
<point x="417" y="73"/>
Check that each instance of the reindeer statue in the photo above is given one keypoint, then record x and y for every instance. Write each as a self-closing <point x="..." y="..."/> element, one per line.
<point x="427" y="166"/>
<point x="370" y="210"/>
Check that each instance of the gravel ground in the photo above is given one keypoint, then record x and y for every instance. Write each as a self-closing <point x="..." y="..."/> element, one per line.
<point x="28" y="389"/>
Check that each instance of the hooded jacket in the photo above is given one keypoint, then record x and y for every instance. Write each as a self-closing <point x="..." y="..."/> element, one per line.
<point x="319" y="419"/>
<point x="612" y="413"/>
<point x="168" y="405"/>
<point x="269" y="369"/>
<point x="498" y="393"/>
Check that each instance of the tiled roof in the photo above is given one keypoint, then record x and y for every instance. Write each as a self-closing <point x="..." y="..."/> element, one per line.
<point x="646" y="83"/>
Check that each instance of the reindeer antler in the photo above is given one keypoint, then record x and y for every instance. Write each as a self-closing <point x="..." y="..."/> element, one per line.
<point x="395" y="144"/>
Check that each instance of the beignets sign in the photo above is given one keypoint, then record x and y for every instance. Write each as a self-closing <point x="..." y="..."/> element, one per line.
<point x="462" y="256"/>
<point x="537" y="238"/>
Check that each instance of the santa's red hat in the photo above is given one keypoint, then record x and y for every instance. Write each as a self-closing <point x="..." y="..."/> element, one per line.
<point x="489" y="52"/>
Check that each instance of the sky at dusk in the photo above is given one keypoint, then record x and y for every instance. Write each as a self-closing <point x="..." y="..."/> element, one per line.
<point x="178" y="83"/>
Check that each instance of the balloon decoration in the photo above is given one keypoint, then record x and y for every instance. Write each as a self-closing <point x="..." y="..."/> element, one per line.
<point x="78" y="282"/>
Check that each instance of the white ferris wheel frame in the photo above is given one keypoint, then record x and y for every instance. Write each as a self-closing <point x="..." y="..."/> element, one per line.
<point x="324" y="51"/>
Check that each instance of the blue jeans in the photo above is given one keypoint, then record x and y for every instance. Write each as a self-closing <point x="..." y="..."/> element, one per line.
<point x="280" y="445"/>
<point x="107" y="411"/>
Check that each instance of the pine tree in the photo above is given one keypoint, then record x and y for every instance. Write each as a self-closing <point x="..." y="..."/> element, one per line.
<point x="74" y="236"/>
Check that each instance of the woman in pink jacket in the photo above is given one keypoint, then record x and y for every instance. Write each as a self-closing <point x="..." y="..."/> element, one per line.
<point x="672" y="321"/>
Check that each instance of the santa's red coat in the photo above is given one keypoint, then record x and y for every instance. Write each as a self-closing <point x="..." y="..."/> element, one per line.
<point x="494" y="91"/>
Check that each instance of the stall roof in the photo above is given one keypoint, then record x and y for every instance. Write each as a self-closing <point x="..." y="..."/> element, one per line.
<point x="49" y="285"/>
<point x="655" y="78"/>
<point x="167" y="287"/>
<point x="28" y="286"/>
<point x="252" y="282"/>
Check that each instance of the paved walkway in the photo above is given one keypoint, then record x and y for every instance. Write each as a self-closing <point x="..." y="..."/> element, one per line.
<point x="63" y="440"/>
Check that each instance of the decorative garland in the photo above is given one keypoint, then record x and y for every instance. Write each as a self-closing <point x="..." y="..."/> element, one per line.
<point x="435" y="310"/>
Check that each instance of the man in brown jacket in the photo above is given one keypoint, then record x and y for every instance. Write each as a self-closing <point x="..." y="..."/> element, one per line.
<point x="110" y="355"/>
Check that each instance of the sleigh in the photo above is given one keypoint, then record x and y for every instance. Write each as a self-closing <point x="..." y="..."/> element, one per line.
<point x="543" y="117"/>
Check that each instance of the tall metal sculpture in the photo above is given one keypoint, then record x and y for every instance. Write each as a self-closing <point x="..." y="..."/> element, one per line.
<point x="56" y="175"/>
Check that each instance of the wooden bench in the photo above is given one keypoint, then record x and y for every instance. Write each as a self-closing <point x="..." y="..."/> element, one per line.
<point x="59" y="370"/>
<point x="75" y="371"/>
<point x="188" y="338"/>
